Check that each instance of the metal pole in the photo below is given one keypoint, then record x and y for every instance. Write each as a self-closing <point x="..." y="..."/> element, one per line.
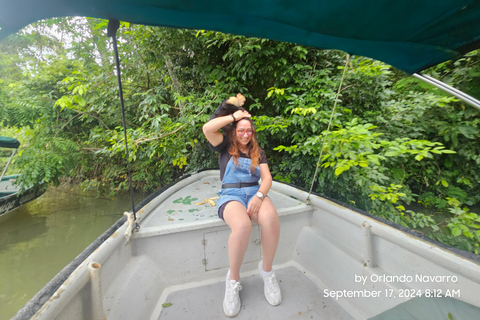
<point x="453" y="91"/>
<point x="112" y="31"/>
<point x="463" y="94"/>
<point x="8" y="163"/>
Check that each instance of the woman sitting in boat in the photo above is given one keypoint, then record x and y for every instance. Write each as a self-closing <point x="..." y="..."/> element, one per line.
<point x="242" y="200"/>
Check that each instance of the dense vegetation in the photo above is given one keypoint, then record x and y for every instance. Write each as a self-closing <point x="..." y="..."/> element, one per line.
<point x="393" y="140"/>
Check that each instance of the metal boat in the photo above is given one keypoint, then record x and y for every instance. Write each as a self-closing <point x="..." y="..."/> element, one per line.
<point x="333" y="262"/>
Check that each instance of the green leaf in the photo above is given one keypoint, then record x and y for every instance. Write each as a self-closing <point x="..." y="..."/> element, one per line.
<point x="468" y="131"/>
<point x="392" y="153"/>
<point x="339" y="170"/>
<point x="82" y="101"/>
<point x="166" y="305"/>
<point x="456" y="231"/>
<point x="374" y="159"/>
<point x="418" y="157"/>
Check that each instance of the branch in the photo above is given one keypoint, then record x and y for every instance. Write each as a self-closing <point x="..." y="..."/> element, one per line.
<point x="89" y="114"/>
<point x="136" y="86"/>
<point x="65" y="125"/>
<point x="92" y="149"/>
<point x="177" y="53"/>
<point x="137" y="142"/>
<point x="404" y="173"/>
<point x="347" y="87"/>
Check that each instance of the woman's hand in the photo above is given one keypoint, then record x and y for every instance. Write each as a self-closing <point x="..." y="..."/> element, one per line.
<point x="240" y="114"/>
<point x="253" y="206"/>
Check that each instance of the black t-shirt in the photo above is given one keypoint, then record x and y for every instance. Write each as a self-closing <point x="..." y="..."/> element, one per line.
<point x="224" y="156"/>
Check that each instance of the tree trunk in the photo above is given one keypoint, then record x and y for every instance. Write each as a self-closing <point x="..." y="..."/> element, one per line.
<point x="173" y="76"/>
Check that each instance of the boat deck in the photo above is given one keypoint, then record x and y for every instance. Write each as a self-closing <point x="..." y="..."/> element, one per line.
<point x="303" y="299"/>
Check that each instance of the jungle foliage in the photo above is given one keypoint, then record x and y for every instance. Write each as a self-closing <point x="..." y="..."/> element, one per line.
<point x="393" y="140"/>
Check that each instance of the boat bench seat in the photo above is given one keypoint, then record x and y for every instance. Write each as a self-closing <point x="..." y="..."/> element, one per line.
<point x="184" y="210"/>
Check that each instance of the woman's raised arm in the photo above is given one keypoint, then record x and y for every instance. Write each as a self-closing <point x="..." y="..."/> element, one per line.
<point x="212" y="127"/>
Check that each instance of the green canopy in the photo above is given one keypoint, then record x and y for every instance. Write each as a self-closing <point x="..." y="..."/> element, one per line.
<point x="411" y="34"/>
<point x="6" y="142"/>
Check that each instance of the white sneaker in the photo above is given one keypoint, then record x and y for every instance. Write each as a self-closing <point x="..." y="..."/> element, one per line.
<point x="271" y="288"/>
<point x="231" y="302"/>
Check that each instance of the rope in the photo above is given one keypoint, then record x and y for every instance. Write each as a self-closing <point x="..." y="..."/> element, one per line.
<point x="112" y="28"/>
<point x="328" y="129"/>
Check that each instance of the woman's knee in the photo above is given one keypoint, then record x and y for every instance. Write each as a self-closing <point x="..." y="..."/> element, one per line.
<point x="268" y="216"/>
<point x="243" y="227"/>
<point x="236" y="217"/>
<point x="271" y="220"/>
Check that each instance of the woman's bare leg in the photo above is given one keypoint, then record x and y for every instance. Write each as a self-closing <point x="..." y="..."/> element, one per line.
<point x="267" y="218"/>
<point x="235" y="215"/>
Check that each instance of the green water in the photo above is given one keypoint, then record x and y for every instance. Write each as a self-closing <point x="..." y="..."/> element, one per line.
<point x="45" y="235"/>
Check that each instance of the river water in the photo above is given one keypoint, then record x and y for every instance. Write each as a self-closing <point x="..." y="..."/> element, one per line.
<point x="44" y="235"/>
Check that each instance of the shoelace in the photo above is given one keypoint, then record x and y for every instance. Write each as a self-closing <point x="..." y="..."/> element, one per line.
<point x="233" y="290"/>
<point x="272" y="281"/>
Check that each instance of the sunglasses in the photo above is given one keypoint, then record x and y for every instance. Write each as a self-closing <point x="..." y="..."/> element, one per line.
<point x="243" y="131"/>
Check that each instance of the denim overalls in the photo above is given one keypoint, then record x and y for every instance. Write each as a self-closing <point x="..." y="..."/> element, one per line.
<point x="235" y="174"/>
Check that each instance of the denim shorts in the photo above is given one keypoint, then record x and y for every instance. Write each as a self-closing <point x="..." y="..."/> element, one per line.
<point x="242" y="195"/>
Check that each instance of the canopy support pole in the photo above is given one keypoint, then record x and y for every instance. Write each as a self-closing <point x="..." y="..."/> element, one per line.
<point x="8" y="163"/>
<point x="453" y="91"/>
<point x="112" y="28"/>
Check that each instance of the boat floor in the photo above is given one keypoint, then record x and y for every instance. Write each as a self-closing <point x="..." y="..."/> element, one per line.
<point x="302" y="300"/>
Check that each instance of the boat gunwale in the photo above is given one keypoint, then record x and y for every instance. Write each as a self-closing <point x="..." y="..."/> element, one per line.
<point x="417" y="234"/>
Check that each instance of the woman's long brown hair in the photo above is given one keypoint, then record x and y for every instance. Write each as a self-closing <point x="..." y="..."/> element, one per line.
<point x="253" y="149"/>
